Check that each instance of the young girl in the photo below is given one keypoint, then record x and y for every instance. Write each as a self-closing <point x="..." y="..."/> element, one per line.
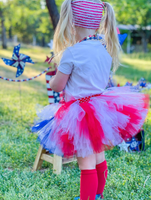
<point x="91" y="119"/>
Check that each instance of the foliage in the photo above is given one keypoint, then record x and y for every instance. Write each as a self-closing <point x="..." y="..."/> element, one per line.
<point x="137" y="12"/>
<point x="129" y="174"/>
<point x="27" y="19"/>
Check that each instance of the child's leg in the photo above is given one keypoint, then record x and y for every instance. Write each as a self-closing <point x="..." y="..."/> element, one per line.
<point x="101" y="167"/>
<point x="89" y="179"/>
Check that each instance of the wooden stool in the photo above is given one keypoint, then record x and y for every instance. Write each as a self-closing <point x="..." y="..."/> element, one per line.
<point x="57" y="161"/>
<point x="42" y="154"/>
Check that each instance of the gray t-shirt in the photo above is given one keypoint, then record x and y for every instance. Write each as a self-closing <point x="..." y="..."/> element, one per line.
<point x="89" y="65"/>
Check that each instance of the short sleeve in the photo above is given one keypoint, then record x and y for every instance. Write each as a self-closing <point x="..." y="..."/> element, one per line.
<point x="66" y="63"/>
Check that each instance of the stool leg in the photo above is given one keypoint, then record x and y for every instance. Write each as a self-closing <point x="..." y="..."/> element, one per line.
<point x="57" y="164"/>
<point x="38" y="162"/>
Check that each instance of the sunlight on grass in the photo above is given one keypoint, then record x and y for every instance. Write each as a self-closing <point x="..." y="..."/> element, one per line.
<point x="139" y="64"/>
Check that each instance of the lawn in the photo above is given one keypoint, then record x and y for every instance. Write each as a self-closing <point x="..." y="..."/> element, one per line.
<point x="129" y="173"/>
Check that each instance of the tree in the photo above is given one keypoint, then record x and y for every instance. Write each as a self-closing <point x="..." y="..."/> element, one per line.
<point x="4" y="39"/>
<point x="30" y="20"/>
<point x="136" y="12"/>
<point x="53" y="12"/>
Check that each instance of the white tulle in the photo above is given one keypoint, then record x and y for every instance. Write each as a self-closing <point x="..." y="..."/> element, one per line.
<point x="106" y="113"/>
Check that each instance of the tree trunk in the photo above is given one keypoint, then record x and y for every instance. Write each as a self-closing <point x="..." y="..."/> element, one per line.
<point x="144" y="40"/>
<point x="129" y="43"/>
<point x="53" y="12"/>
<point x="10" y="32"/>
<point x="4" y="39"/>
<point x="43" y="41"/>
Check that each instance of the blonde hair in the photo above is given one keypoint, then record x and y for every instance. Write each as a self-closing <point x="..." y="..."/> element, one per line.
<point x="108" y="28"/>
<point x="65" y="32"/>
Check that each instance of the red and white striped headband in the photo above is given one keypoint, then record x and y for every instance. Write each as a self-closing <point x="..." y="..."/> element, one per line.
<point x="87" y="14"/>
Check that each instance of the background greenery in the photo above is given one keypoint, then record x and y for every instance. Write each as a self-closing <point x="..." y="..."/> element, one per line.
<point x="28" y="18"/>
<point x="129" y="173"/>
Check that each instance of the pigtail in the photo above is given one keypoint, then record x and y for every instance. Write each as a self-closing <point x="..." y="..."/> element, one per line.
<point x="63" y="36"/>
<point x="108" y="28"/>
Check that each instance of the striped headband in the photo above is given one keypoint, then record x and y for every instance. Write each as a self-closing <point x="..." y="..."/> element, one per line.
<point x="87" y="14"/>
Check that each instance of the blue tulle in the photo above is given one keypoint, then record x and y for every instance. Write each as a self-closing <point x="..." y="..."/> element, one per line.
<point x="40" y="125"/>
<point x="42" y="142"/>
<point x="98" y="196"/>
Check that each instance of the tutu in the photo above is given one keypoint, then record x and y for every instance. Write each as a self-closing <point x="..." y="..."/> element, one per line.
<point x="92" y="124"/>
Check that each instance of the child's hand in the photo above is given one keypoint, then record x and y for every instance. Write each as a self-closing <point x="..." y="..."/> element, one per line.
<point x="59" y="81"/>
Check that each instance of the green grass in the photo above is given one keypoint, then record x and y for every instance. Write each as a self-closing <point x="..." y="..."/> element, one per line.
<point x="129" y="174"/>
<point x="134" y="67"/>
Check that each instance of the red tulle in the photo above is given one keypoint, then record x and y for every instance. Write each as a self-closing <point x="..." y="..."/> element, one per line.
<point x="91" y="128"/>
<point x="63" y="110"/>
<point x="95" y="132"/>
<point x="67" y="145"/>
<point x="135" y="118"/>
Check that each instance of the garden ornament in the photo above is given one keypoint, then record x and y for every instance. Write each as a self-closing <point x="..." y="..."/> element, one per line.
<point x="18" y="60"/>
<point x="124" y="146"/>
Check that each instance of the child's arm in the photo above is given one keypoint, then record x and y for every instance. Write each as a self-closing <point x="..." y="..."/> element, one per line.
<point x="59" y="81"/>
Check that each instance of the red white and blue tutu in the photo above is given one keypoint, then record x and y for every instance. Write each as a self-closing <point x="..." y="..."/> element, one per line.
<point x="92" y="124"/>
